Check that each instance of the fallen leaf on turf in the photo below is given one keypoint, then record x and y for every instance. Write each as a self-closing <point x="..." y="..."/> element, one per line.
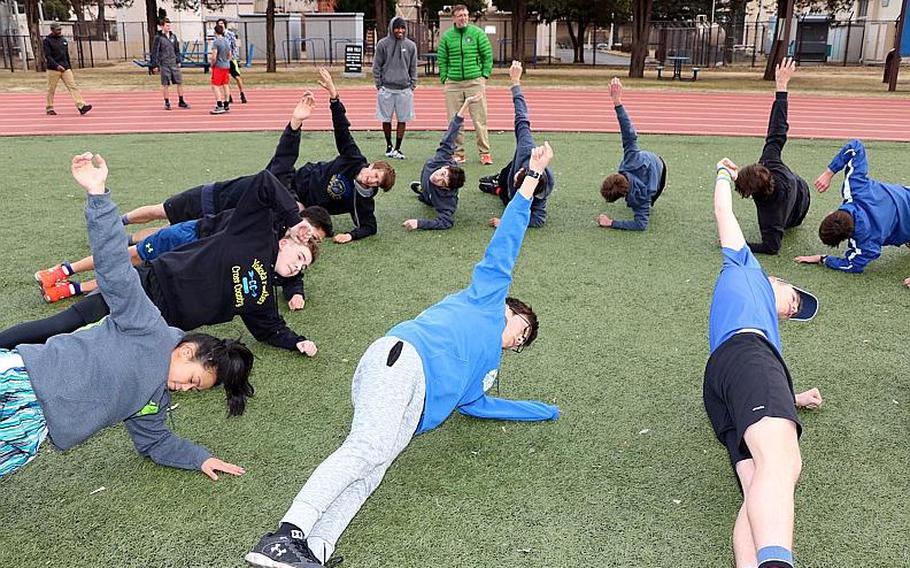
<point x="645" y="431"/>
<point x="524" y="550"/>
<point x="99" y="490"/>
<point x="677" y="501"/>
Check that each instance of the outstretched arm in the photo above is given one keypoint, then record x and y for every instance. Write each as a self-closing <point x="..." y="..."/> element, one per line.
<point x="629" y="136"/>
<point x="130" y="307"/>
<point x="288" y="149"/>
<point x="524" y="139"/>
<point x="777" y="124"/>
<point x="517" y="410"/>
<point x="731" y="235"/>
<point x="447" y="144"/>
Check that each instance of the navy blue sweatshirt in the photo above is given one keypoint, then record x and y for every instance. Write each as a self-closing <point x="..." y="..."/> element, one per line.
<point x="443" y="200"/>
<point x="56" y="52"/>
<point x="328" y="184"/>
<point x="524" y="143"/>
<point x="643" y="170"/>
<point x="787" y="205"/>
<point x="232" y="272"/>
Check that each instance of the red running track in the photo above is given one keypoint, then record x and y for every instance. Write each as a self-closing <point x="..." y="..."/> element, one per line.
<point x="581" y="110"/>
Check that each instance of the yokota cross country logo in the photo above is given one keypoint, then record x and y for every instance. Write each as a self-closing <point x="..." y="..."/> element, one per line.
<point x="250" y="284"/>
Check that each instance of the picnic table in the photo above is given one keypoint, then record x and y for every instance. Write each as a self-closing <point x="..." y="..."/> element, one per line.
<point x="678" y="61"/>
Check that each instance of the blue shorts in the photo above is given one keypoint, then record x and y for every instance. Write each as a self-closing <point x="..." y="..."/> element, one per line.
<point x="167" y="239"/>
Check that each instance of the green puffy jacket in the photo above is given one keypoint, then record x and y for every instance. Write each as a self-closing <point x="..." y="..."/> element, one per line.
<point x="464" y="54"/>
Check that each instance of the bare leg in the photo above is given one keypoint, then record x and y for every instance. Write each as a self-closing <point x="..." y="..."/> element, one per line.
<point x="164" y="91"/>
<point x="239" y="83"/>
<point x="769" y="502"/>
<point x="146" y="214"/>
<point x="743" y="546"/>
<point x="88" y="286"/>
<point x="88" y="263"/>
<point x="180" y="90"/>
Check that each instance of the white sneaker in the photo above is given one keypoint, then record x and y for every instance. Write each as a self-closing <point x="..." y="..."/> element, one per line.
<point x="396" y="154"/>
<point x="390" y="153"/>
<point x="218" y="110"/>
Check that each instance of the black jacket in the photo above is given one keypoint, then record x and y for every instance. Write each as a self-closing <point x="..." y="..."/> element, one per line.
<point x="786" y="207"/>
<point x="328" y="184"/>
<point x="56" y="52"/>
<point x="211" y="224"/>
<point x="165" y="51"/>
<point x="232" y="272"/>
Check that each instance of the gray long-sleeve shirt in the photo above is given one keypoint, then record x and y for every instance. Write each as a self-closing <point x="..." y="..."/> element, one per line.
<point x="115" y="371"/>
<point x="395" y="62"/>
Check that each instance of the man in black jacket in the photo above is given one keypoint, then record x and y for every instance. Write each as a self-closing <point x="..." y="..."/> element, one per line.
<point x="165" y="58"/>
<point x="57" y="61"/>
<point x="781" y="197"/>
<point x="346" y="184"/>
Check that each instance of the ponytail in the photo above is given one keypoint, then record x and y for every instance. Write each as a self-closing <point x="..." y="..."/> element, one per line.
<point x="232" y="362"/>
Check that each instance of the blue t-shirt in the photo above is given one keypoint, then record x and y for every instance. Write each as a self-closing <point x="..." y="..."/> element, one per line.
<point x="743" y="298"/>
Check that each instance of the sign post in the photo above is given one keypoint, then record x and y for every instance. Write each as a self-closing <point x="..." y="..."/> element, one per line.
<point x="353" y="60"/>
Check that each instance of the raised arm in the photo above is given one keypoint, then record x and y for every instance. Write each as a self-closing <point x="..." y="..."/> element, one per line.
<point x="731" y="236"/>
<point x="119" y="283"/>
<point x="341" y="126"/>
<point x="493" y="274"/>
<point x="516" y="410"/>
<point x="288" y="149"/>
<point x="853" y="157"/>
<point x="524" y="139"/>
<point x="777" y="123"/>
<point x="629" y="136"/>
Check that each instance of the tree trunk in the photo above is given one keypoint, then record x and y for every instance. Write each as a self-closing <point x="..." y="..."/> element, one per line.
<point x="270" y="64"/>
<point x="34" y="33"/>
<point x="519" y="18"/>
<point x="641" y="26"/>
<point x="580" y="47"/>
<point x="101" y="32"/>
<point x="382" y="18"/>
<point x="151" y="21"/>
<point x="577" y="43"/>
<point x="779" y="45"/>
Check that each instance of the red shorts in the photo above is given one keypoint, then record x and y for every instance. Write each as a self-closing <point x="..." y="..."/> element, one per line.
<point x="220" y="76"/>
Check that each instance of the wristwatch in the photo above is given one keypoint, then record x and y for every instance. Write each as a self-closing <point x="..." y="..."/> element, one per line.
<point x="532" y="174"/>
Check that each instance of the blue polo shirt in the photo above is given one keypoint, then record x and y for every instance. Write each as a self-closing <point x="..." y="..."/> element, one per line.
<point x="743" y="298"/>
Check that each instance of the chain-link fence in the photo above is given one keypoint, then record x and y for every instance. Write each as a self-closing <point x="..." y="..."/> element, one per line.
<point x="813" y="39"/>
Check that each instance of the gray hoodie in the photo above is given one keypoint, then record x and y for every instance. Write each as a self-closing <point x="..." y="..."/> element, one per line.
<point x="115" y="371"/>
<point x="395" y="61"/>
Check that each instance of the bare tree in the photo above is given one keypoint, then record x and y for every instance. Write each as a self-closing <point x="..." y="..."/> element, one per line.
<point x="32" y="17"/>
<point x="641" y="28"/>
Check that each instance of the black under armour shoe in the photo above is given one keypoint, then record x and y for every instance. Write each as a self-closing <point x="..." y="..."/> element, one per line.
<point x="415" y="187"/>
<point x="280" y="551"/>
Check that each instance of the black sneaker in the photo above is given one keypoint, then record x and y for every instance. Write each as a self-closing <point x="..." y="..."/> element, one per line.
<point x="231" y="99"/>
<point x="85" y="109"/>
<point x="242" y="98"/>
<point x="488" y="184"/>
<point x="51" y="112"/>
<point x="183" y="104"/>
<point x="274" y="551"/>
<point x="415" y="187"/>
<point x="167" y="105"/>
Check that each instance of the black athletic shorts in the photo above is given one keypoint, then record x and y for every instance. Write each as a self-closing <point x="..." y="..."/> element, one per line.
<point x="745" y="381"/>
<point x="208" y="199"/>
<point x="234" y="70"/>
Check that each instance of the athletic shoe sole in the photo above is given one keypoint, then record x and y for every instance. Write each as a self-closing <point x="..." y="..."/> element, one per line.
<point x="264" y="561"/>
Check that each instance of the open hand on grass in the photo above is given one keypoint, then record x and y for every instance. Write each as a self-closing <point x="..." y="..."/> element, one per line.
<point x="604" y="221"/>
<point x="342" y="238"/>
<point x="810" y="259"/>
<point x="211" y="465"/>
<point x="410" y="224"/>
<point x="493" y="222"/>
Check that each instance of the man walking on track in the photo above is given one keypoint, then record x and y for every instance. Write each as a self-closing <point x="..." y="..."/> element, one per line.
<point x="57" y="60"/>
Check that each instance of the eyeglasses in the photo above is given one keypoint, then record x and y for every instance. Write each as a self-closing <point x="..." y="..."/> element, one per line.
<point x="524" y="335"/>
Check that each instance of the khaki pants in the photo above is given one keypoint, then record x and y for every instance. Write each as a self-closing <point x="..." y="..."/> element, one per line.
<point x="53" y="77"/>
<point x="456" y="93"/>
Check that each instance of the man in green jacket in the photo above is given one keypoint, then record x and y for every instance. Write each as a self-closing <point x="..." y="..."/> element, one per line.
<point x="465" y="63"/>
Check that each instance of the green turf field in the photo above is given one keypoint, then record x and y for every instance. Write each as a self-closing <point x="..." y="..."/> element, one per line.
<point x="630" y="476"/>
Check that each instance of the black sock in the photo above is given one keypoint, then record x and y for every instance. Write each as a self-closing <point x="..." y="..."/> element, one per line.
<point x="398" y="143"/>
<point x="167" y="101"/>
<point x="775" y="564"/>
<point x="181" y="99"/>
<point x="287" y="529"/>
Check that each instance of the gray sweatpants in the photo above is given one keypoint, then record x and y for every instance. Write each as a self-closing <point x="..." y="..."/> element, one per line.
<point x="388" y="403"/>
